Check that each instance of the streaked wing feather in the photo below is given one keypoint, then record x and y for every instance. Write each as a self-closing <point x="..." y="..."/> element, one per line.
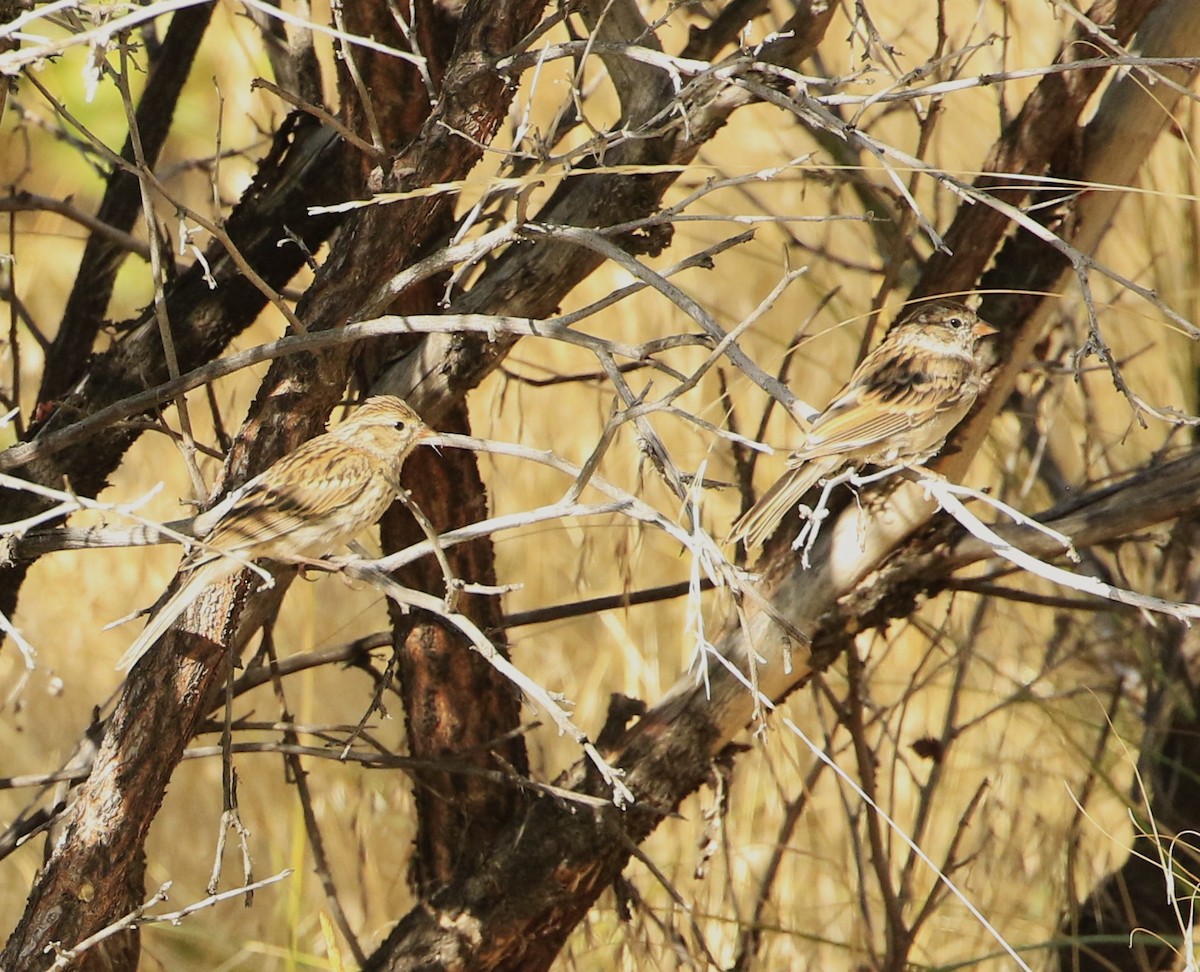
<point x="268" y="510"/>
<point x="884" y="399"/>
<point x="306" y="504"/>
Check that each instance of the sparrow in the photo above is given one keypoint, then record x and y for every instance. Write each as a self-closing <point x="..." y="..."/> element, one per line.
<point x="308" y="503"/>
<point x="898" y="407"/>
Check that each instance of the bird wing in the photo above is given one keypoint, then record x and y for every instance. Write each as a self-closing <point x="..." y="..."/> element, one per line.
<point x="886" y="396"/>
<point x="289" y="511"/>
<point x="294" y="493"/>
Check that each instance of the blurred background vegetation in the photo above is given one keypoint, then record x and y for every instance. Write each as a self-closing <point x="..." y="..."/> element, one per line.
<point x="1040" y="709"/>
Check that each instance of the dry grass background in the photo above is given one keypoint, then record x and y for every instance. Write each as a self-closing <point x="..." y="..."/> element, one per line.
<point x="1029" y="686"/>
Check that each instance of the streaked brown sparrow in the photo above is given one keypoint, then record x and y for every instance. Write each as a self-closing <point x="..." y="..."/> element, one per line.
<point x="310" y="502"/>
<point x="898" y="407"/>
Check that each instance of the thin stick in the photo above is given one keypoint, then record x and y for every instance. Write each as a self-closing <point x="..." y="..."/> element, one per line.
<point x="1078" y="582"/>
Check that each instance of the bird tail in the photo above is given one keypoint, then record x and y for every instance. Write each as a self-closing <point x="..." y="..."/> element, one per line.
<point x="198" y="579"/>
<point x="760" y="521"/>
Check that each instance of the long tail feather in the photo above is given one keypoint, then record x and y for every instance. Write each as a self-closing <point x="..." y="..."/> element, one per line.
<point x="760" y="521"/>
<point x="200" y="578"/>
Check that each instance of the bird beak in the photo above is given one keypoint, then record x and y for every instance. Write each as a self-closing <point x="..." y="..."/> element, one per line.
<point x="426" y="434"/>
<point x="983" y="329"/>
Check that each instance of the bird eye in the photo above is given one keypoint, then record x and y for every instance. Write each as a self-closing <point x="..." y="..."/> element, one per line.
<point x="955" y="322"/>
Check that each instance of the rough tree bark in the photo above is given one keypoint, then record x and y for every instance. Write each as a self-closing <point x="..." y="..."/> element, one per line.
<point x="546" y="864"/>
<point x="456" y="705"/>
<point x="564" y="859"/>
<point x="88" y="880"/>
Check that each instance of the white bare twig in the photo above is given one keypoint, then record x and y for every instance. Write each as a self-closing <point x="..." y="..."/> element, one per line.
<point x="408" y="598"/>
<point x="701" y="546"/>
<point x="66" y="957"/>
<point x="937" y="488"/>
<point x="37" y="48"/>
<point x="19" y="455"/>
<point x="958" y="489"/>
<point x="69" y="502"/>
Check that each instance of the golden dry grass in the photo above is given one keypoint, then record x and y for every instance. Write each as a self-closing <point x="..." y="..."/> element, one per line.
<point x="1032" y="725"/>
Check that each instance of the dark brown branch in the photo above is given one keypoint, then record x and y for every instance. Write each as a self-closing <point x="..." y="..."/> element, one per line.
<point x="204" y="321"/>
<point x="165" y="696"/>
<point x="122" y="204"/>
<point x="612" y="602"/>
<point x="24" y="201"/>
<point x="455" y="704"/>
<point x="1045" y="126"/>
<point x="666" y="753"/>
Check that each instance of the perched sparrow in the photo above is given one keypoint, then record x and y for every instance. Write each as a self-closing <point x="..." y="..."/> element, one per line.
<point x="307" y="504"/>
<point x="899" y="406"/>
